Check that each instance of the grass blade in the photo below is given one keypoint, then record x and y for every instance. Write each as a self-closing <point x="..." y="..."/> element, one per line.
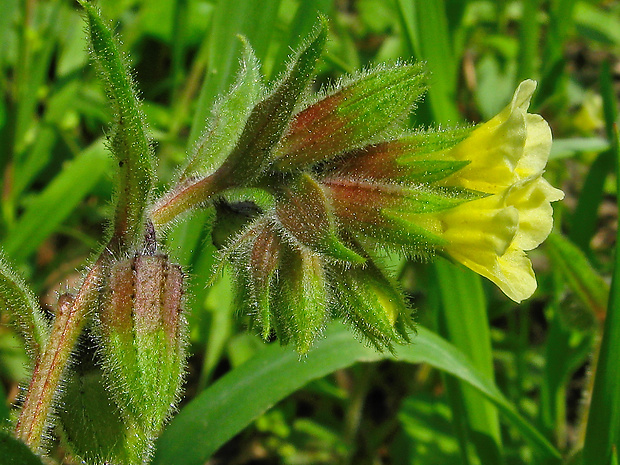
<point x="427" y="36"/>
<point x="254" y="20"/>
<point x="583" y="279"/>
<point x="603" y="429"/>
<point x="464" y="322"/>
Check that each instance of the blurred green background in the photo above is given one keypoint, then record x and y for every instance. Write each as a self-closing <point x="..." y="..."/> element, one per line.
<point x="58" y="181"/>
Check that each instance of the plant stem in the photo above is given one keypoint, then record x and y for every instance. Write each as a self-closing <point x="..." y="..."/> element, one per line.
<point x="188" y="196"/>
<point x="50" y="366"/>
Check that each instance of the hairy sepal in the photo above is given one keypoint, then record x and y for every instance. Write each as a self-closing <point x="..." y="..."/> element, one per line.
<point x="255" y="255"/>
<point x="372" y="304"/>
<point x="270" y="117"/>
<point x="228" y="118"/>
<point x="352" y="116"/>
<point x="143" y="338"/>
<point x="304" y="211"/>
<point x="299" y="298"/>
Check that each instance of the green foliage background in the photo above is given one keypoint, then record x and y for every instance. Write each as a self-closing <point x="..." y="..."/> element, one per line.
<point x="57" y="182"/>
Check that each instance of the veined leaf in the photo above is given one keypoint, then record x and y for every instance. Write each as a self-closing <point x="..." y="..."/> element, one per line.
<point x="228" y="406"/>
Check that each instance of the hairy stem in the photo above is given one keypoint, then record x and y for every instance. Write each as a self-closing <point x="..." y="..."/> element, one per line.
<point x="184" y="198"/>
<point x="51" y="365"/>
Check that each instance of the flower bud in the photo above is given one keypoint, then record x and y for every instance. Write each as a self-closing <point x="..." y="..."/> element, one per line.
<point x="299" y="301"/>
<point x="143" y="340"/>
<point x="372" y="304"/>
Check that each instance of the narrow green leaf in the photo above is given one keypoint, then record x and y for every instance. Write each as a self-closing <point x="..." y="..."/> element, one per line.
<point x="594" y="22"/>
<point x="15" y="452"/>
<point x="565" y="351"/>
<point x="19" y="302"/>
<point x="564" y="148"/>
<point x="603" y="430"/>
<point x="464" y="320"/>
<point x="585" y="217"/>
<point x="57" y="200"/>
<point x="529" y="40"/>
<point x="561" y="18"/>
<point x="128" y="142"/>
<point x="227" y="407"/>
<point x="300" y="27"/>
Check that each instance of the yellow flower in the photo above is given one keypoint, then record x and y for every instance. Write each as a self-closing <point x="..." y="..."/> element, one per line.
<point x="490" y="235"/>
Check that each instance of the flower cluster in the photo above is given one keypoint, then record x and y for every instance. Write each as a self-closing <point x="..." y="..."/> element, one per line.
<point x="342" y="180"/>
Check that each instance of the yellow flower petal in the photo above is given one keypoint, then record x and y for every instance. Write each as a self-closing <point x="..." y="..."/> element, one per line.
<point x="512" y="272"/>
<point x="512" y="145"/>
<point x="507" y="158"/>
<point x="531" y="197"/>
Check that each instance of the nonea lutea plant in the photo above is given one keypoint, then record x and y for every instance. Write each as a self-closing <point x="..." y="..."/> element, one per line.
<point x="310" y="191"/>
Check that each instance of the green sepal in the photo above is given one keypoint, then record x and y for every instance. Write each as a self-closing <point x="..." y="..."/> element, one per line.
<point x="303" y="210"/>
<point x="432" y="143"/>
<point x="432" y="199"/>
<point x="372" y="303"/>
<point x="383" y="162"/>
<point x="352" y="116"/>
<point x="128" y="140"/>
<point x="255" y="254"/>
<point x="299" y="298"/>
<point x="270" y="117"/>
<point x="19" y="302"/>
<point x="143" y="337"/>
<point x="228" y="118"/>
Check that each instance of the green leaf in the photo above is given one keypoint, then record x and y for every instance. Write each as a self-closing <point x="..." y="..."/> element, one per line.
<point x="583" y="279"/>
<point x="565" y="148"/>
<point x="15" y="452"/>
<point x="427" y="36"/>
<point x="19" y="302"/>
<point x="57" y="200"/>
<point x="128" y="142"/>
<point x="254" y="20"/>
<point x="300" y="27"/>
<point x="585" y="217"/>
<point x="223" y="410"/>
